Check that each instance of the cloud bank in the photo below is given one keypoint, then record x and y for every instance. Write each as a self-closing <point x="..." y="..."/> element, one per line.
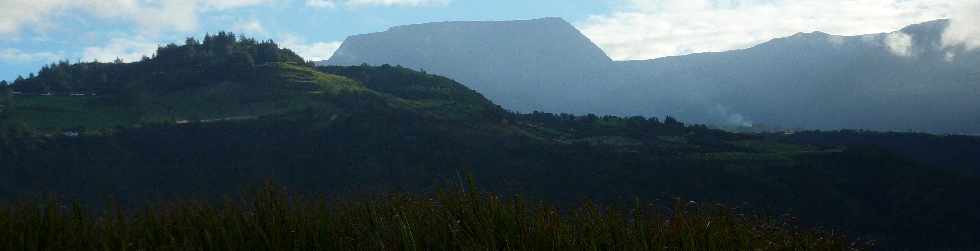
<point x="964" y="28"/>
<point x="11" y="55"/>
<point x="899" y="44"/>
<point x="251" y="26"/>
<point x="366" y="3"/>
<point x="317" y="51"/>
<point x="126" y="49"/>
<point x="151" y="15"/>
<point x="133" y="49"/>
<point x="645" y="29"/>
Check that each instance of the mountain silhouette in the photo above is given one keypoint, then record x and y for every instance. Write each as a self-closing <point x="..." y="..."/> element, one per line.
<point x="905" y="80"/>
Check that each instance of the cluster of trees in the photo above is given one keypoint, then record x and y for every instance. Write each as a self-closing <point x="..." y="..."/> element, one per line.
<point x="593" y="125"/>
<point x="954" y="153"/>
<point x="6" y="99"/>
<point x="438" y="94"/>
<point x="224" y="56"/>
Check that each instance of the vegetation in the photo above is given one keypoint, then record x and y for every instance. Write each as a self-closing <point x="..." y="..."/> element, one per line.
<point x="175" y="124"/>
<point x="218" y="58"/>
<point x="954" y="153"/>
<point x="223" y="76"/>
<point x="272" y="219"/>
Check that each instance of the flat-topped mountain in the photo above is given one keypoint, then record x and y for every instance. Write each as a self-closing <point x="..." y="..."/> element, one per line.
<point x="525" y="65"/>
<point x="903" y="80"/>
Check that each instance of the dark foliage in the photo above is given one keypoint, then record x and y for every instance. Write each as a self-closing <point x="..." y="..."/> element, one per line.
<point x="220" y="57"/>
<point x="955" y="153"/>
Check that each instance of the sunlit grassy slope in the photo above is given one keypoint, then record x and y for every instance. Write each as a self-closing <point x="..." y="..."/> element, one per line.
<point x="287" y="87"/>
<point x="281" y="88"/>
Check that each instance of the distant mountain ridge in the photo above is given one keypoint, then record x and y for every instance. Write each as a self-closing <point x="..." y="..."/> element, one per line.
<point x="898" y="81"/>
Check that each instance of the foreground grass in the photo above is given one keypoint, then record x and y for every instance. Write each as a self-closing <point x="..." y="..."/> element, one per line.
<point x="272" y="219"/>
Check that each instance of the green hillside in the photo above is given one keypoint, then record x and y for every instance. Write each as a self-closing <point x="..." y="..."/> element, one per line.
<point x="290" y="87"/>
<point x="223" y="78"/>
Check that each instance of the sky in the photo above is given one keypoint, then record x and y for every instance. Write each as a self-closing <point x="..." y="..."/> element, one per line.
<point x="37" y="32"/>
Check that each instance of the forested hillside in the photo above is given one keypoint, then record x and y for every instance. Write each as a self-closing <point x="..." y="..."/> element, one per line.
<point x="211" y="123"/>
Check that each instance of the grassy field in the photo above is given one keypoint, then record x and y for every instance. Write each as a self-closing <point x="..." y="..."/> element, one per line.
<point x="63" y="112"/>
<point x="272" y="219"/>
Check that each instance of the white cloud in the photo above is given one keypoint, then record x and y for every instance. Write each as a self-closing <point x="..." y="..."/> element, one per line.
<point x="176" y="15"/>
<point x="899" y="43"/>
<point x="250" y="27"/>
<point x="728" y="117"/>
<point x="645" y="29"/>
<point x="231" y="4"/>
<point x="17" y="56"/>
<point x="397" y="2"/>
<point x="321" y="3"/>
<point x="365" y="3"/>
<point x="127" y="49"/>
<point x="151" y="15"/>
<point x="316" y="51"/>
<point x="14" y="13"/>
<point x="964" y="28"/>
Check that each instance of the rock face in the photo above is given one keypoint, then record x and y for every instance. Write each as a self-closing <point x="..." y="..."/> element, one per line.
<point x="903" y="80"/>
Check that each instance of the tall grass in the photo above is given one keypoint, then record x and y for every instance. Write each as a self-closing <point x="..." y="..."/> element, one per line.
<point x="270" y="218"/>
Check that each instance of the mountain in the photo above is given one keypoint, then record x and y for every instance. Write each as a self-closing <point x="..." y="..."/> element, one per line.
<point x="902" y="81"/>
<point x="821" y="81"/>
<point x="543" y="61"/>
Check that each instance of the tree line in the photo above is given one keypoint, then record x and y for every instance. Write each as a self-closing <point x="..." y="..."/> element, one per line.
<point x="219" y="57"/>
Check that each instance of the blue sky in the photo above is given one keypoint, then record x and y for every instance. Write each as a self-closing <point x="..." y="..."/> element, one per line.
<point x="79" y="33"/>
<point x="36" y="32"/>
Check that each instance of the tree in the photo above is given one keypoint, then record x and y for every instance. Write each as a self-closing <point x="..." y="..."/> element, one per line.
<point x="241" y="65"/>
<point x="220" y="45"/>
<point x="268" y="52"/>
<point x="6" y="98"/>
<point x="190" y="41"/>
<point x="288" y="56"/>
<point x="57" y="78"/>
